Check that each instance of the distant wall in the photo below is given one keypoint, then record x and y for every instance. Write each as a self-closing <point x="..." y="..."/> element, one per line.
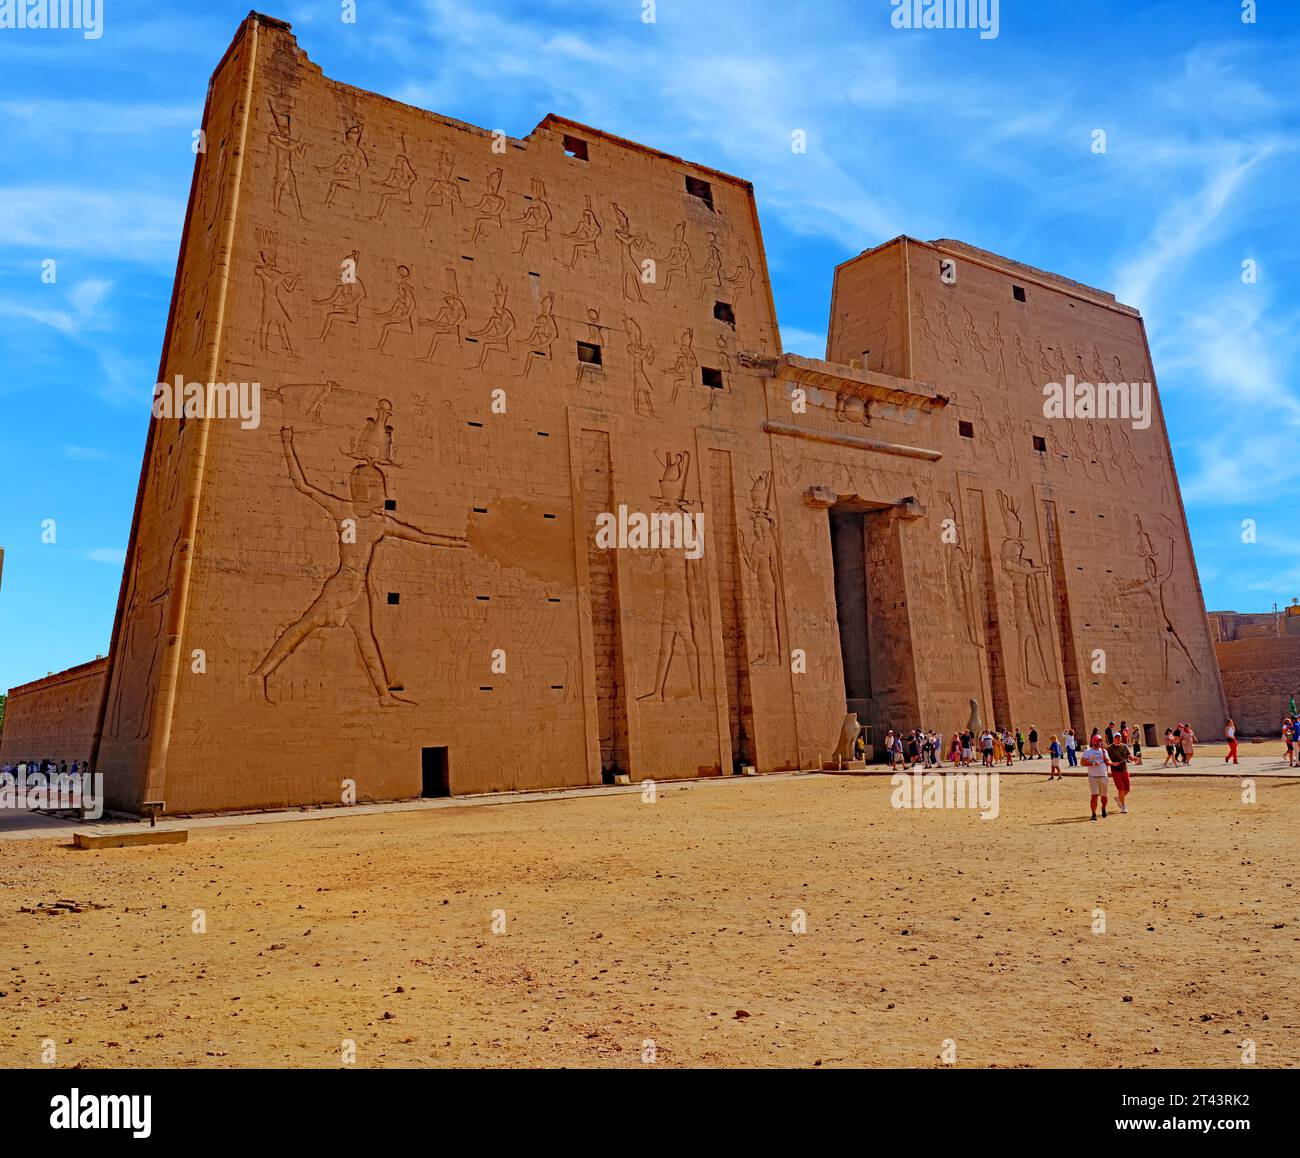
<point x="1231" y="625"/>
<point x="1259" y="676"/>
<point x="53" y="718"/>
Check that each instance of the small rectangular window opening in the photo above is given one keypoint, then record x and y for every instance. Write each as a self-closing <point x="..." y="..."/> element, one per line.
<point x="711" y="377"/>
<point x="575" y="147"/>
<point x="966" y="429"/>
<point x="1040" y="444"/>
<point x="1018" y="292"/>
<point x="701" y="189"/>
<point x="589" y="353"/>
<point x="724" y="313"/>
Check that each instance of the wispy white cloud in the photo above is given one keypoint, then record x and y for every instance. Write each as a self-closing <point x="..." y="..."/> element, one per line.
<point x="86" y="295"/>
<point x="1185" y="229"/>
<point x="73" y="118"/>
<point x="732" y="103"/>
<point x="81" y="316"/>
<point x="84" y="454"/>
<point x="1241" y="467"/>
<point x="57" y="220"/>
<point x="1237" y="354"/>
<point x="127" y="379"/>
<point x="84" y="299"/>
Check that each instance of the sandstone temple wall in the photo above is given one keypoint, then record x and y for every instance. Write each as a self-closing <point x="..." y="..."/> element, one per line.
<point x="1073" y="592"/>
<point x="1259" y="677"/>
<point x="470" y="348"/>
<point x="53" y="718"/>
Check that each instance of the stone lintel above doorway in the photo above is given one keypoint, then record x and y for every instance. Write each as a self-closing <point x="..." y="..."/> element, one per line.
<point x="823" y="497"/>
<point x="869" y="385"/>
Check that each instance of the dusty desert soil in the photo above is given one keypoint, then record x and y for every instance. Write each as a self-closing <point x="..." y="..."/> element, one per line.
<point x="627" y="921"/>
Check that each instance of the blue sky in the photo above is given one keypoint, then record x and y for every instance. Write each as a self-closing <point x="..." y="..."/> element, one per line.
<point x="931" y="133"/>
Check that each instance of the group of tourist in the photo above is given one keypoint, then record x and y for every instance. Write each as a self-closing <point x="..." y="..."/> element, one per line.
<point x="1105" y="757"/>
<point x="1291" y="737"/>
<point x="1180" y="745"/>
<point x="48" y="768"/>
<point x="999" y="746"/>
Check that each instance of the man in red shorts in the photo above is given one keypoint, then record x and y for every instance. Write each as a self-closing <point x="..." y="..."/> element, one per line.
<point x="1119" y="755"/>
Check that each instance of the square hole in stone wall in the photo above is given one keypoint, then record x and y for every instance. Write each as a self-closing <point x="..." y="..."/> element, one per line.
<point x="701" y="189"/>
<point x="966" y="429"/>
<point x="589" y="353"/>
<point x="711" y="377"/>
<point x="575" y="147"/>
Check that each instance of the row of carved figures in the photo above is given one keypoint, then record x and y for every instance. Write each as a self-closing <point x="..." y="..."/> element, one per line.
<point x="1027" y="631"/>
<point x="442" y="335"/>
<point x="446" y="203"/>
<point x="1046" y="361"/>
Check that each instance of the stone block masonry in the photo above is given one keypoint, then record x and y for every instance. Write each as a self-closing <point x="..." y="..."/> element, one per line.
<point x="1259" y="677"/>
<point x="471" y="347"/>
<point x="54" y="718"/>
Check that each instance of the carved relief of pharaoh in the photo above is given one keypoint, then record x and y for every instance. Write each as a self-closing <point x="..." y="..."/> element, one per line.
<point x="643" y="356"/>
<point x="488" y="208"/>
<point x="343" y="303"/>
<point x="284" y="148"/>
<point x="758" y="551"/>
<point x="536" y="217"/>
<point x="711" y="274"/>
<point x="274" y="320"/>
<point x="677" y="265"/>
<point x="633" y="244"/>
<point x="362" y="523"/>
<point x="447" y="321"/>
<point x="397" y="186"/>
<point x="399" y="318"/>
<point x="682" y="591"/>
<point x="540" y="339"/>
<point x="494" y="335"/>
<point x="351" y="163"/>
<point x="686" y="370"/>
<point x="1030" y="620"/>
<point x="583" y="238"/>
<point x="443" y="191"/>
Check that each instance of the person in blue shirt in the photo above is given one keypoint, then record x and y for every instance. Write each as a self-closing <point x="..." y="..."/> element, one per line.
<point x="1054" y="750"/>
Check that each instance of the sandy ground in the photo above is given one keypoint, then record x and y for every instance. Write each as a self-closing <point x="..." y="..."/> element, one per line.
<point x="627" y="922"/>
<point x="1219" y="749"/>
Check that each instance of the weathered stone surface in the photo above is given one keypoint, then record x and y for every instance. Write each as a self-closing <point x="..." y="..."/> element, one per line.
<point x="53" y="718"/>
<point x="130" y="839"/>
<point x="1260" y="675"/>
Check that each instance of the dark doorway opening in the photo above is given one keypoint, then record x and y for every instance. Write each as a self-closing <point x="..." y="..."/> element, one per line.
<point x="872" y="614"/>
<point x="848" y="559"/>
<point x="435" y="777"/>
